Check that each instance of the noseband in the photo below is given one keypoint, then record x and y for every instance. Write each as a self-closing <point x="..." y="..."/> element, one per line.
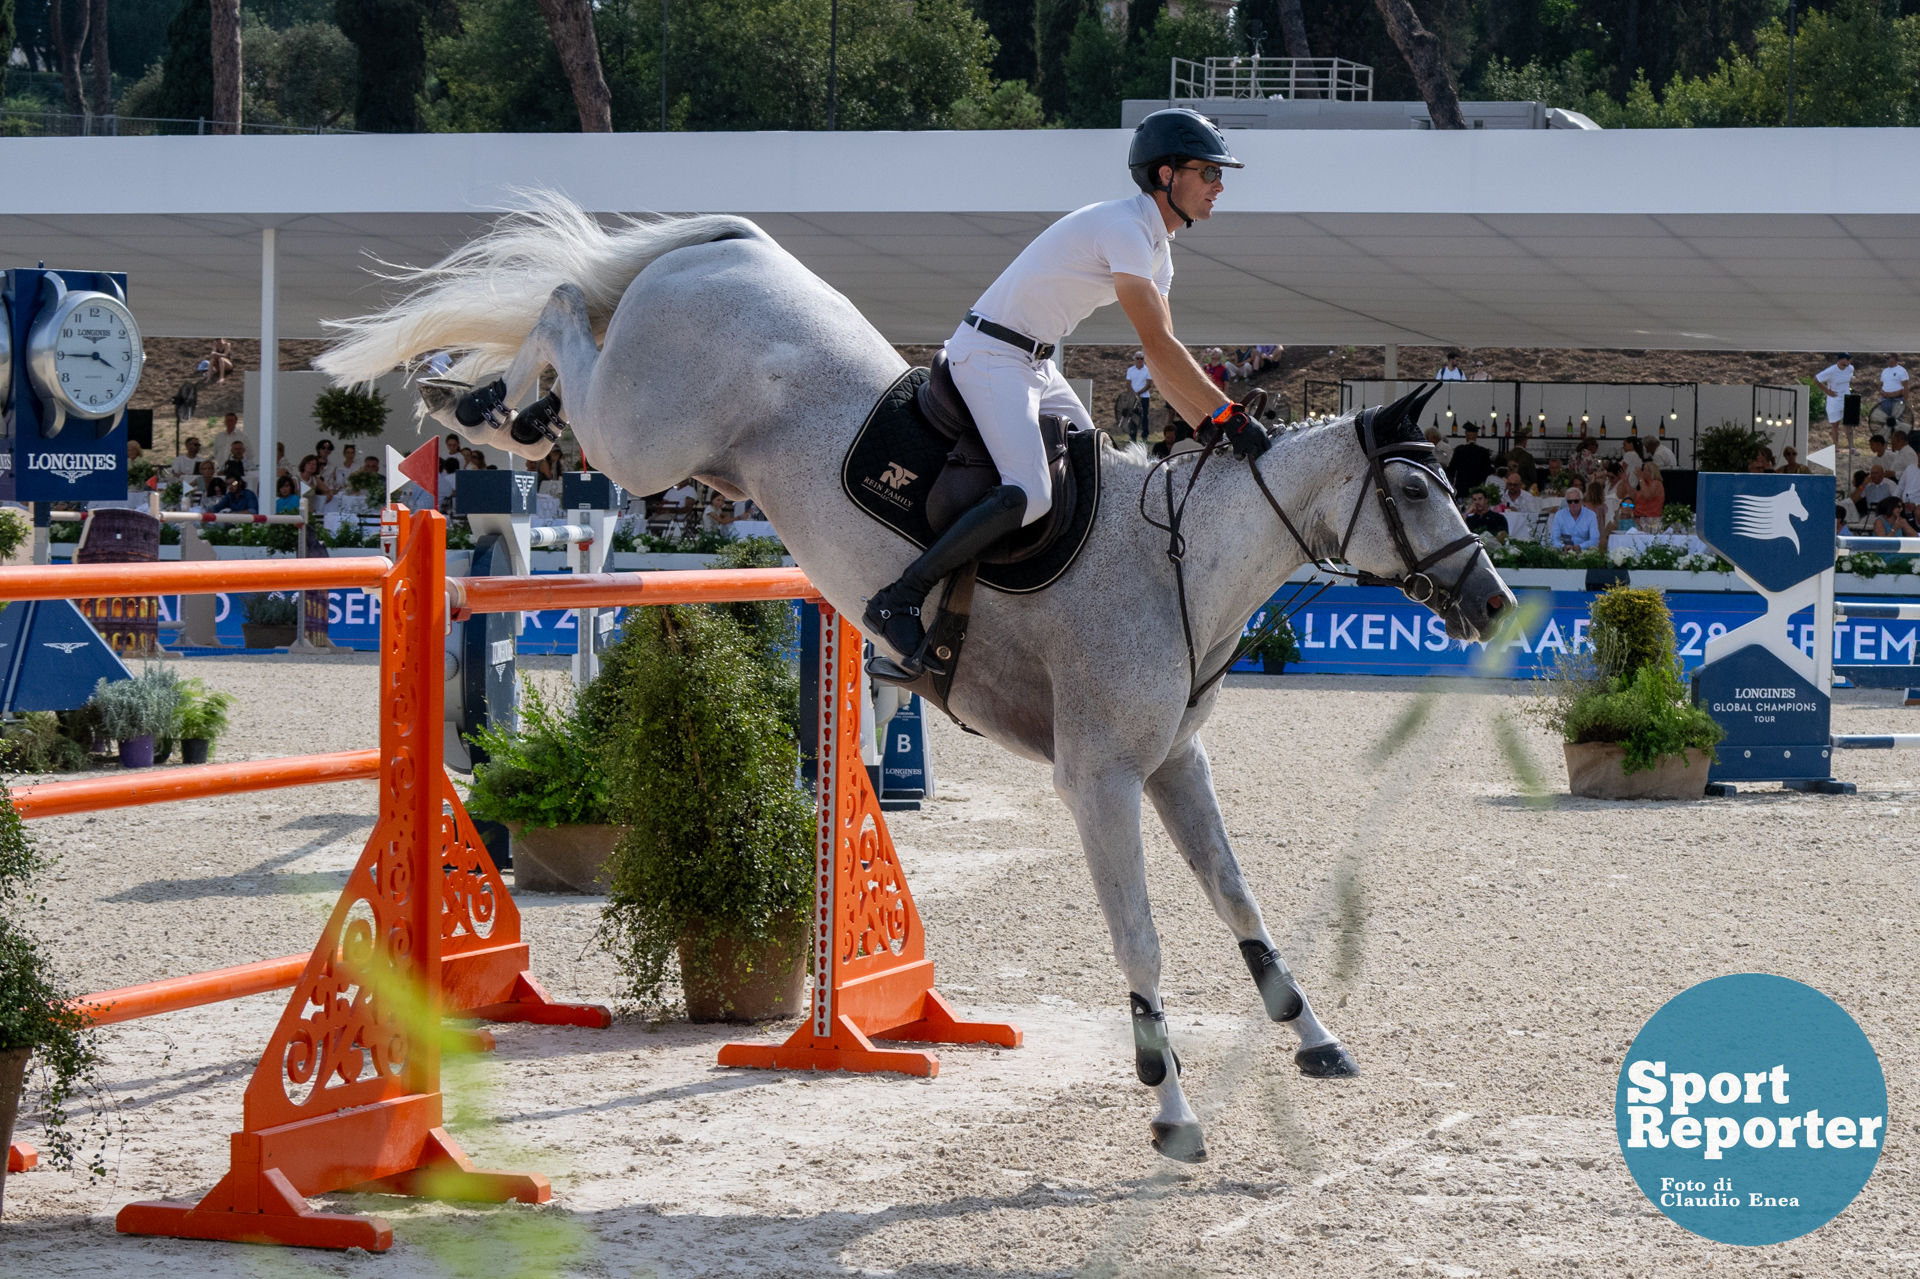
<point x="1417" y="582"/>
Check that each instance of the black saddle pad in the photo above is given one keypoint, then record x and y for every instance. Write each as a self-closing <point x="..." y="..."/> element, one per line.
<point x="892" y="464"/>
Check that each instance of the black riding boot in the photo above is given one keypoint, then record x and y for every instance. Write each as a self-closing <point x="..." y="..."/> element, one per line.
<point x="894" y="614"/>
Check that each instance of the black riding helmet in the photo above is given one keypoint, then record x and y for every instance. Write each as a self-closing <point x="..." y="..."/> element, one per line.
<point x="1170" y="136"/>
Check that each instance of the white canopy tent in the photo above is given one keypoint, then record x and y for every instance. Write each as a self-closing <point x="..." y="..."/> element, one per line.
<point x="1654" y="238"/>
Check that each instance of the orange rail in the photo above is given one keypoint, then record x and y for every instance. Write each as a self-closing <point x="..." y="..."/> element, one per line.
<point x="604" y="590"/>
<point x="175" y="993"/>
<point x="127" y="790"/>
<point x="199" y="577"/>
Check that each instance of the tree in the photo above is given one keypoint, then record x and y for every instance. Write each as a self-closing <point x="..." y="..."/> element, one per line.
<point x="67" y="26"/>
<point x="225" y="23"/>
<point x="302" y="76"/>
<point x="186" y="78"/>
<point x="1421" y="48"/>
<point x="8" y="33"/>
<point x="391" y="70"/>
<point x="570" y="23"/>
<point x="102" y="62"/>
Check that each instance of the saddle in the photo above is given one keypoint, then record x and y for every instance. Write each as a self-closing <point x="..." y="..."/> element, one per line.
<point x="970" y="473"/>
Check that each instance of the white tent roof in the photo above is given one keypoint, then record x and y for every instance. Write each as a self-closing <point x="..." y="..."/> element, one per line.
<point x="1646" y="238"/>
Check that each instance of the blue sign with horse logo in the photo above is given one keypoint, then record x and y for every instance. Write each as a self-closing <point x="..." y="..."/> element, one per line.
<point x="1777" y="529"/>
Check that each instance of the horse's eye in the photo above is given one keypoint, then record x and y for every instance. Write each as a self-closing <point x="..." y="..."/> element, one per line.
<point x="1414" y="487"/>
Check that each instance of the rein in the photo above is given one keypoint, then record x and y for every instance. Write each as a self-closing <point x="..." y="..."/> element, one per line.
<point x="1416" y="583"/>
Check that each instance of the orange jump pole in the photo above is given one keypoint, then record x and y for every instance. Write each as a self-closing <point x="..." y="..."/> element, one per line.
<point x="199" y="577"/>
<point x="58" y="799"/>
<point x="871" y="975"/>
<point x="130" y="1003"/>
<point x="613" y="590"/>
<point x="347" y="1094"/>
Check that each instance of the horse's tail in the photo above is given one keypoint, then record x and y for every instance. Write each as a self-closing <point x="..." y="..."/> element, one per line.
<point x="482" y="300"/>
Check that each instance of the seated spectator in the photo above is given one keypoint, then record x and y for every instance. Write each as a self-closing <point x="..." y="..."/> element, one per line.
<point x="1482" y="520"/>
<point x="1621" y="494"/>
<point x="1521" y="508"/>
<point x="453" y="443"/>
<point x="1557" y="477"/>
<point x="1889" y="522"/>
<point x="1265" y="354"/>
<point x="203" y="481"/>
<point x="1519" y="457"/>
<point x="1840" y="521"/>
<point x="286" y="499"/>
<point x="1240" y="364"/>
<point x="1879" y="485"/>
<point x="187" y="464"/>
<point x="1909" y="492"/>
<point x="1663" y="454"/>
<point x="134" y="451"/>
<point x="1216" y="368"/>
<point x="1650" y="500"/>
<point x="236" y="463"/>
<point x="238" y="500"/>
<point x="718" y="513"/>
<point x="1177" y="437"/>
<point x="220" y="361"/>
<point x="1900" y="456"/>
<point x="216" y="490"/>
<point x="1586" y="459"/>
<point x="1574" y="528"/>
<point x="1793" y="465"/>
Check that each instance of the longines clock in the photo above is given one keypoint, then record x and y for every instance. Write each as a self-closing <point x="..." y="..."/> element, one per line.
<point x="74" y="358"/>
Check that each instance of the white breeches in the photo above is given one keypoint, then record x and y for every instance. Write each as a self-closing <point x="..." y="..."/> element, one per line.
<point x="1008" y="390"/>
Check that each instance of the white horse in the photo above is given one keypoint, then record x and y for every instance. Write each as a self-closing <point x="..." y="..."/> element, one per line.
<point x="699" y="347"/>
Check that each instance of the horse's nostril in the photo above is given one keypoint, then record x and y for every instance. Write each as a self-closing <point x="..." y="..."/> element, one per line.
<point x="1495" y="603"/>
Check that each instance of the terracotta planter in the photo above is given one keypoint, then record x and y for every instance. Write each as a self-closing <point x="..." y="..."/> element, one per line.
<point x="13" y="1078"/>
<point x="563" y="859"/>
<point x="1597" y="770"/>
<point x="267" y="636"/>
<point x="748" y="981"/>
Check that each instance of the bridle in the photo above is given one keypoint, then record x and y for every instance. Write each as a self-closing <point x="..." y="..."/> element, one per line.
<point x="1417" y="582"/>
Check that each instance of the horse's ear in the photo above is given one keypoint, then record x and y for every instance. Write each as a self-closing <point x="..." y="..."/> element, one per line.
<point x="1400" y="420"/>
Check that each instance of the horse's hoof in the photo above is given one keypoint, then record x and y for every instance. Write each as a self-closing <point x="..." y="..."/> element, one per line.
<point x="1327" y="1061"/>
<point x="1180" y="1141"/>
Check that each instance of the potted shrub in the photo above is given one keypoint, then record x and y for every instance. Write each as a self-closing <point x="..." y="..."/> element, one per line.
<point x="272" y="619"/>
<point x="349" y="413"/>
<point x="136" y="711"/>
<point x="36" y="1019"/>
<point x="697" y="708"/>
<point x="1275" y="649"/>
<point x="201" y="721"/>
<point x="1629" y="727"/>
<point x="543" y="781"/>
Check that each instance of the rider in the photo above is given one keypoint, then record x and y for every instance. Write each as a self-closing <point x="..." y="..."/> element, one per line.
<point x="1121" y="250"/>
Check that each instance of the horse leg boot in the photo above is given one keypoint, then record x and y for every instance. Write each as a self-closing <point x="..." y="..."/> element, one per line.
<point x="1182" y="793"/>
<point x="1106" y="809"/>
<point x="894" y="614"/>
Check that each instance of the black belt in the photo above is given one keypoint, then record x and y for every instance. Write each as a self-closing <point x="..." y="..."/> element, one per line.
<point x="1012" y="337"/>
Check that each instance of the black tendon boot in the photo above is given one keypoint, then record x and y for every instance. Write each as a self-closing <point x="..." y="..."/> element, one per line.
<point x="894" y="614"/>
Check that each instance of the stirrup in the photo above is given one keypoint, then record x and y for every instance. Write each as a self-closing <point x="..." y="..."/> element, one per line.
<point x="888" y="671"/>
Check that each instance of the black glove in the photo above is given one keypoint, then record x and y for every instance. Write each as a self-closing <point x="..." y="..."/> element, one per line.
<point x="1248" y="438"/>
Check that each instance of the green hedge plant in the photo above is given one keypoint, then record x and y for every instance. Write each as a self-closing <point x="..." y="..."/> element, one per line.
<point x="144" y="706"/>
<point x="203" y="712"/>
<point x="348" y="413"/>
<point x="696" y="708"/>
<point x="547" y="772"/>
<point x="34" y="1008"/>
<point x="1629" y="690"/>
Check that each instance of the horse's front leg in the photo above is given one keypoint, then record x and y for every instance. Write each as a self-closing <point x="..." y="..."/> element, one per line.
<point x="1182" y="793"/>
<point x="562" y="339"/>
<point x="1106" y="808"/>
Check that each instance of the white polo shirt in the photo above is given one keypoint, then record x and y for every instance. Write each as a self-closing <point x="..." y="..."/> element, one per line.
<point x="1893" y="381"/>
<point x="1066" y="274"/>
<point x="1836" y="380"/>
<point x="1138" y="377"/>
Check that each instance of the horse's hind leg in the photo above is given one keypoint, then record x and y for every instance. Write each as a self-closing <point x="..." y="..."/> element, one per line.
<point x="1182" y="793"/>
<point x="1106" y="809"/>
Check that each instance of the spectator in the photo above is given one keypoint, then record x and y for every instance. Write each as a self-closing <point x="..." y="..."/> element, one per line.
<point x="1793" y="465"/>
<point x="1909" y="492"/>
<point x="187" y="464"/>
<point x="239" y="499"/>
<point x="718" y="514"/>
<point x="1621" y="492"/>
<point x="229" y="436"/>
<point x="1521" y="508"/>
<point x="220" y="361"/>
<point x="1140" y="378"/>
<point x="1879" y="486"/>
<point x="1573" y="528"/>
<point x="1556" y="477"/>
<point x="1650" y="499"/>
<point x="1892" y="407"/>
<point x="279" y="458"/>
<point x="1176" y="437"/>
<point x="1836" y="380"/>
<point x="286" y="497"/>
<point x="453" y="448"/>
<point x="1442" y="450"/>
<point x="472" y="460"/>
<point x="1586" y="459"/>
<point x="1857" y="496"/>
<point x="216" y="492"/>
<point x="1240" y="364"/>
<point x="203" y="480"/>
<point x="1471" y="464"/>
<point x="1762" y="463"/>
<point x="1840" y="521"/>
<point x="1265" y="354"/>
<point x="681" y="503"/>
<point x="1217" y="369"/>
<point x="1481" y="520"/>
<point x="1451" y="370"/>
<point x="236" y="463"/>
<point x="1663" y="454"/>
<point x="1889" y="522"/>
<point x="1900" y="456"/>
<point x="1877" y="445"/>
<point x="1631" y="457"/>
<point x="1519" y="458"/>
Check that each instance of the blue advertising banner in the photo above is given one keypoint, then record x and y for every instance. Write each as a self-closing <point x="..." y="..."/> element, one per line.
<point x="353" y="621"/>
<point x="1375" y="630"/>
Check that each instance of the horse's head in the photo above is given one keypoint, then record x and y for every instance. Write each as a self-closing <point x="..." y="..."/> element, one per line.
<point x="1405" y="530"/>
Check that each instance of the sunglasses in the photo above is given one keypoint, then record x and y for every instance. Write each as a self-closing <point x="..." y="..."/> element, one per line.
<point x="1573" y="501"/>
<point x="1209" y="173"/>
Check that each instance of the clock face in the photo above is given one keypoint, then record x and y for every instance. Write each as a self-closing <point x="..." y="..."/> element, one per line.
<point x="96" y="356"/>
